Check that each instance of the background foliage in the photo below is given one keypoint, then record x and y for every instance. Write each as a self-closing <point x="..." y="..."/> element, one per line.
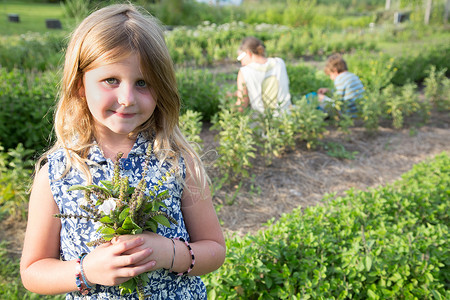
<point x="344" y="251"/>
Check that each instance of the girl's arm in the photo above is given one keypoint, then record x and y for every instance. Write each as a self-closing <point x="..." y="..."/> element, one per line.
<point x="201" y="221"/>
<point x="242" y="93"/>
<point x="41" y="269"/>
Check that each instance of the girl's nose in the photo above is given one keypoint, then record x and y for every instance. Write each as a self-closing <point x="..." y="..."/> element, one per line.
<point x="127" y="96"/>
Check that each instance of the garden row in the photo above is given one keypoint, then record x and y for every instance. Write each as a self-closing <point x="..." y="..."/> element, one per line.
<point x="27" y="95"/>
<point x="385" y="243"/>
<point x="26" y="121"/>
<point x="209" y="44"/>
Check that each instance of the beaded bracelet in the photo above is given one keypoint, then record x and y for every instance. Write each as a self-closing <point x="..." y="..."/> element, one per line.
<point x="191" y="252"/>
<point x="79" y="280"/>
<point x="82" y="273"/>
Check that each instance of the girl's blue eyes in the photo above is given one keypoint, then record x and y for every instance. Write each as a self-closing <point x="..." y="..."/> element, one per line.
<point x="111" y="81"/>
<point x="139" y="83"/>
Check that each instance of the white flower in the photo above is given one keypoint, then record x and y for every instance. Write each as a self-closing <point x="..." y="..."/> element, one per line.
<point x="107" y="206"/>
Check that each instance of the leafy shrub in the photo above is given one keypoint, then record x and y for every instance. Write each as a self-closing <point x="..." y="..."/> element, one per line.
<point x="309" y="124"/>
<point x="437" y="88"/>
<point x="191" y="126"/>
<point x="199" y="92"/>
<point x="375" y="70"/>
<point x="414" y="64"/>
<point x="273" y="135"/>
<point x="26" y="98"/>
<point x="401" y="104"/>
<point x="15" y="171"/>
<point x="384" y="243"/>
<point x="236" y="144"/>
<point x="32" y="51"/>
<point x="371" y="108"/>
<point x="304" y="79"/>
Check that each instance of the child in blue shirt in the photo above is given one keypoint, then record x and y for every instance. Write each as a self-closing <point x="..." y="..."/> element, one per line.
<point x="347" y="85"/>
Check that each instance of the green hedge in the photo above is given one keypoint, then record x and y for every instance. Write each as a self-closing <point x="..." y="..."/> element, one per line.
<point x="385" y="243"/>
<point x="26" y="99"/>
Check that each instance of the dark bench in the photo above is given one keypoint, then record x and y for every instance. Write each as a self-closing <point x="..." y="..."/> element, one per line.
<point x="13" y="18"/>
<point x="53" y="24"/>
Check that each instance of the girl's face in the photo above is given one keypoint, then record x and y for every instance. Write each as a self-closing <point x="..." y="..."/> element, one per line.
<point x="118" y="97"/>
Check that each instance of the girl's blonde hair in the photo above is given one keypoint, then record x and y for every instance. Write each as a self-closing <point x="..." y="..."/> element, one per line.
<point x="107" y="36"/>
<point x="254" y="45"/>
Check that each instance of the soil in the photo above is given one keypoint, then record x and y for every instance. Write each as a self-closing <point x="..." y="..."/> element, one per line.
<point x="302" y="177"/>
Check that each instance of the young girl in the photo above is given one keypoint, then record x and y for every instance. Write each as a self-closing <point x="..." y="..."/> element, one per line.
<point x="118" y="94"/>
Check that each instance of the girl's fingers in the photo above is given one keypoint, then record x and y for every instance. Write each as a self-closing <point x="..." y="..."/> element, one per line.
<point x="131" y="252"/>
<point x="121" y="246"/>
<point x="133" y="271"/>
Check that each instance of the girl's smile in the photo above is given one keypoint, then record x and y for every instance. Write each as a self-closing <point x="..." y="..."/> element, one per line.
<point x="118" y="97"/>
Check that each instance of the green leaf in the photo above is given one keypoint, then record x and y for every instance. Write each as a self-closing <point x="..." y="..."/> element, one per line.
<point x="368" y="262"/>
<point x="436" y="294"/>
<point x="152" y="225"/>
<point x="163" y="195"/>
<point x="162" y="220"/>
<point x="395" y="277"/>
<point x="78" y="187"/>
<point x="129" y="224"/>
<point x="107" y="220"/>
<point x="372" y="295"/>
<point x="158" y="204"/>
<point x="108" y="237"/>
<point x="128" y="287"/>
<point x="107" y="184"/>
<point x="107" y="230"/>
<point x="121" y="231"/>
<point x="124" y="214"/>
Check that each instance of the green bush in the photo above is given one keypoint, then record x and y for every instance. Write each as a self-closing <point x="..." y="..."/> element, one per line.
<point x="385" y="243"/>
<point x="32" y="51"/>
<point x="191" y="127"/>
<point x="199" y="91"/>
<point x="304" y="79"/>
<point x="236" y="144"/>
<point x="414" y="64"/>
<point x="26" y="98"/>
<point x="437" y="88"/>
<point x="15" y="172"/>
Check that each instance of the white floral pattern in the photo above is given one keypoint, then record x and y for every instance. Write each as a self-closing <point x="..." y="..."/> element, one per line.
<point x="75" y="233"/>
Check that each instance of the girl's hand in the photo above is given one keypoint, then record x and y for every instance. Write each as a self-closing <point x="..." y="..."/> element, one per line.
<point x="115" y="262"/>
<point x="161" y="249"/>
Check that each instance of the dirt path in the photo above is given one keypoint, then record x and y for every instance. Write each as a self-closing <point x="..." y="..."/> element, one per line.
<point x="302" y="177"/>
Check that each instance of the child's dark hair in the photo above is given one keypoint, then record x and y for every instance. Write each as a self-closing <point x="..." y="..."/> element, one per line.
<point x="254" y="45"/>
<point x="335" y="63"/>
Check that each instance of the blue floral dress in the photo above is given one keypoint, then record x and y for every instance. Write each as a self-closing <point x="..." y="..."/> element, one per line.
<point x="75" y="233"/>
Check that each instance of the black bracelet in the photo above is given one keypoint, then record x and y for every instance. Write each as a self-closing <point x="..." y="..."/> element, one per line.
<point x="191" y="252"/>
